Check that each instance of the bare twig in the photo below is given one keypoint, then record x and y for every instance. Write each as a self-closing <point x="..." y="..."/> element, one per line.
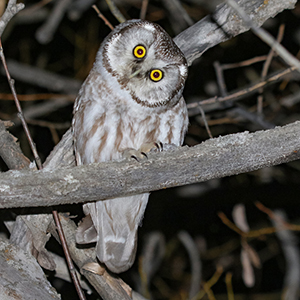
<point x="109" y="287"/>
<point x="256" y="119"/>
<point x="228" y="281"/>
<point x="43" y="78"/>
<point x="100" y="15"/>
<point x="205" y="121"/>
<point x="289" y="244"/>
<point x="144" y="9"/>
<point x="250" y="234"/>
<point x="78" y="7"/>
<point x="36" y="97"/>
<point x="266" y="68"/>
<point x="20" y="113"/>
<point x="45" y="33"/>
<point x="150" y="259"/>
<point x="196" y="266"/>
<point x="290" y="100"/>
<point x="62" y="271"/>
<point x="231" y="225"/>
<point x="220" y="78"/>
<point x="177" y="14"/>
<point x="240" y="220"/>
<point x="115" y="11"/>
<point x="42" y="109"/>
<point x="209" y="284"/>
<point x="65" y="125"/>
<point x="244" y="63"/>
<point x="266" y="37"/>
<point x="239" y="217"/>
<point x="67" y="255"/>
<point x="244" y="92"/>
<point x="40" y="167"/>
<point x="272" y="52"/>
<point x="37" y="6"/>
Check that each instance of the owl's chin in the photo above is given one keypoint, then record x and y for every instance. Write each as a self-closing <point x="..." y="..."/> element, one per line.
<point x="159" y="105"/>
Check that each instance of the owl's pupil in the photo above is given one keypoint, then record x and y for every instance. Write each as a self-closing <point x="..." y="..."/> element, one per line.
<point x="140" y="52"/>
<point x="155" y="74"/>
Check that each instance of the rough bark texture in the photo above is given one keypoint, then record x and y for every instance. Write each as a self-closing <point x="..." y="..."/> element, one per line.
<point x="214" y="158"/>
<point x="12" y="9"/>
<point x="10" y="151"/>
<point x="21" y="276"/>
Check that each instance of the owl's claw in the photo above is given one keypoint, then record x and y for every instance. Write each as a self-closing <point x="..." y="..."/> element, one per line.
<point x="136" y="154"/>
<point x="152" y="147"/>
<point x="141" y="154"/>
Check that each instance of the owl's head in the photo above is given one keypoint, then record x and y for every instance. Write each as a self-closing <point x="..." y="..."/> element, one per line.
<point x="146" y="62"/>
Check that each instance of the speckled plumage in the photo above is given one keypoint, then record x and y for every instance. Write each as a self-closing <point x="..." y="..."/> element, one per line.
<point x="116" y="111"/>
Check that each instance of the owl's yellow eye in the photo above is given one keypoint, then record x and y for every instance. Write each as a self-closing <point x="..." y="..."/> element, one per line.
<point x="139" y="51"/>
<point x="156" y="75"/>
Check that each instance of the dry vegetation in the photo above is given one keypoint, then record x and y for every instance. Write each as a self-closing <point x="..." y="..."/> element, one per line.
<point x="224" y="238"/>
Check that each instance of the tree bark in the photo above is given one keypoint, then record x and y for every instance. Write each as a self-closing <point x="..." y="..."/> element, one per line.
<point x="224" y="156"/>
<point x="21" y="277"/>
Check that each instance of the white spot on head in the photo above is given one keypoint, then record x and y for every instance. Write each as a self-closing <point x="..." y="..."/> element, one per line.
<point x="149" y="27"/>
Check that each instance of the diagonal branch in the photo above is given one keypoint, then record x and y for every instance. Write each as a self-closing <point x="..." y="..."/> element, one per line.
<point x="224" y="24"/>
<point x="214" y="158"/>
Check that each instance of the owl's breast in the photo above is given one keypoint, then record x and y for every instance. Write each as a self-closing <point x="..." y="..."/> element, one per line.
<point x="106" y="123"/>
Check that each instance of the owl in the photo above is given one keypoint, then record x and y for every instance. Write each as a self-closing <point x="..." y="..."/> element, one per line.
<point x="132" y="98"/>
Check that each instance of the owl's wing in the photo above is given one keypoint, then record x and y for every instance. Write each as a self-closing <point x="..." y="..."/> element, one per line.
<point x="115" y="221"/>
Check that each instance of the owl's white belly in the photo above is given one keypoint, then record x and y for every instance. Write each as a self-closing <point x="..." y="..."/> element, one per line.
<point x="117" y="130"/>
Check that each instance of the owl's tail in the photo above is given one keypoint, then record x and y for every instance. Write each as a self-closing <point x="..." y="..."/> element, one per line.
<point x="116" y="222"/>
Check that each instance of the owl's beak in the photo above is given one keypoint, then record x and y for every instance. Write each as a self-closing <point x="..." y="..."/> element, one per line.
<point x="138" y="71"/>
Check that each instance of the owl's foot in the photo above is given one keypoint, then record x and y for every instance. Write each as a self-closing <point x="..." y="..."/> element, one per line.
<point x="136" y="154"/>
<point x="152" y="147"/>
<point x="140" y="154"/>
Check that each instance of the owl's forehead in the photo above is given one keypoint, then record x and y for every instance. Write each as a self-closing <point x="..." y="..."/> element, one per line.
<point x="145" y="33"/>
<point x="150" y="27"/>
<point x="160" y="46"/>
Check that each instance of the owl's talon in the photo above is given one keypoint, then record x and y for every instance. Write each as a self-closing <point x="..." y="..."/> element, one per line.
<point x="143" y="153"/>
<point x="160" y="146"/>
<point x="136" y="154"/>
<point x="141" y="156"/>
<point x="152" y="147"/>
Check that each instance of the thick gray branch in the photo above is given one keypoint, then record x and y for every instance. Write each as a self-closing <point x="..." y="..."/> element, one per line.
<point x="224" y="24"/>
<point x="10" y="151"/>
<point x="12" y="9"/>
<point x="21" y="276"/>
<point x="214" y="158"/>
